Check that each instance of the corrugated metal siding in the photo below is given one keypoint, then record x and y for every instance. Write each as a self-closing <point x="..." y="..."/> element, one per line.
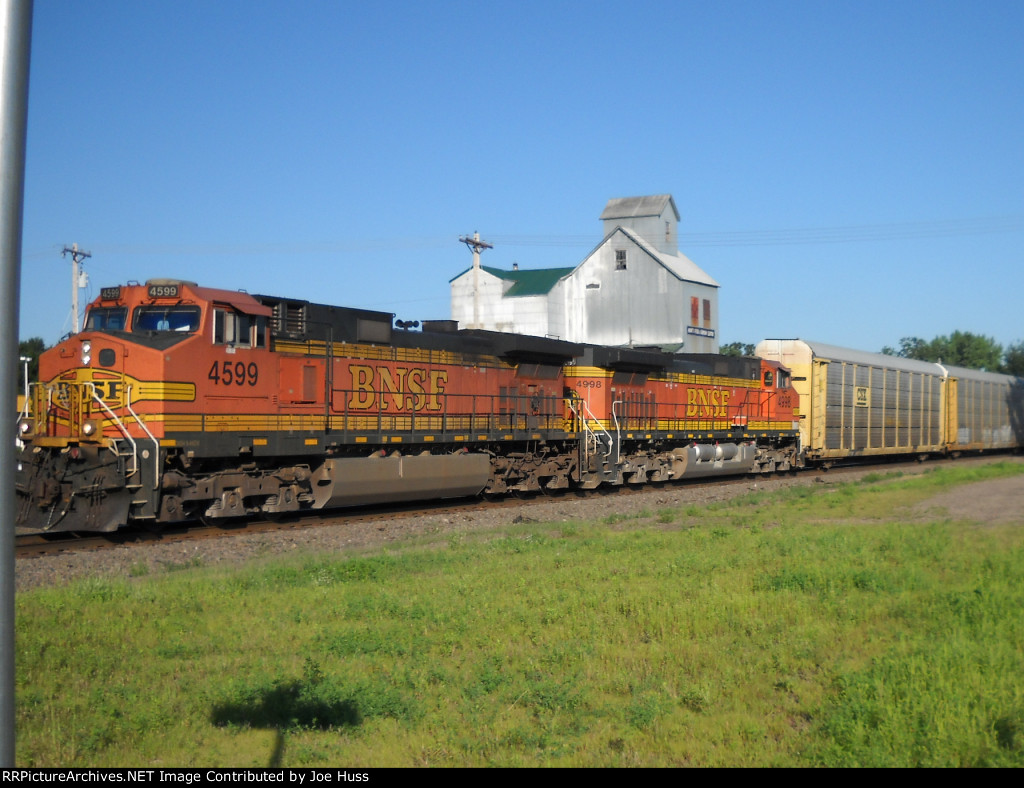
<point x="984" y="414"/>
<point x="871" y="409"/>
<point x="905" y="405"/>
<point x="857" y="403"/>
<point x="637" y="306"/>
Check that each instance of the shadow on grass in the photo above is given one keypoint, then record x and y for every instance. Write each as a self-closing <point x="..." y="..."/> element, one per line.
<point x="296" y="704"/>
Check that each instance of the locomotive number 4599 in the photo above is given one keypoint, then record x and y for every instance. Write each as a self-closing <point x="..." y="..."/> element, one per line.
<point x="238" y="373"/>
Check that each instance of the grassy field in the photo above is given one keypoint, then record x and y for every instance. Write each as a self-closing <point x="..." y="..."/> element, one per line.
<point x="822" y="625"/>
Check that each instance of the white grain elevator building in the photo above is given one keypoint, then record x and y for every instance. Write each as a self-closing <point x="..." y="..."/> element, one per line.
<point x="634" y="289"/>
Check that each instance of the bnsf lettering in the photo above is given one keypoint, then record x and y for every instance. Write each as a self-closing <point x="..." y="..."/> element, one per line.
<point x="401" y="388"/>
<point x="704" y="402"/>
<point x="225" y="373"/>
<point x="109" y="391"/>
<point x="113" y="389"/>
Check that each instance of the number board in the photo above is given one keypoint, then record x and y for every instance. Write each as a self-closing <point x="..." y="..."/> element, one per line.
<point x="163" y="291"/>
<point x="110" y="293"/>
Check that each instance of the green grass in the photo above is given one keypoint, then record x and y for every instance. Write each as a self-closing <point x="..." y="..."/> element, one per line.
<point x="810" y="627"/>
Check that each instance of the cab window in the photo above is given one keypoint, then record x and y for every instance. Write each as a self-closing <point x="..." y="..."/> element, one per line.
<point x="769" y="379"/>
<point x="234" y="328"/>
<point x="180" y="319"/>
<point x="106" y="318"/>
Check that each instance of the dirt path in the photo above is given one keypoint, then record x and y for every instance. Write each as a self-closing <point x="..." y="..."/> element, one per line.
<point x="994" y="501"/>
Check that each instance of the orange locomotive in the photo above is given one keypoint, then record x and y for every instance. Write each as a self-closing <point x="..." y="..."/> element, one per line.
<point x="179" y="402"/>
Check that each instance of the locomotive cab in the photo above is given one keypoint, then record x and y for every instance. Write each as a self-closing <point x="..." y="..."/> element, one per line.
<point x="780" y="397"/>
<point x="95" y="438"/>
<point x="780" y="408"/>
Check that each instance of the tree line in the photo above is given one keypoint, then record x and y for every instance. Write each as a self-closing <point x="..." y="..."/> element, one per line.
<point x="964" y="349"/>
<point x="31" y="349"/>
<point x="959" y="349"/>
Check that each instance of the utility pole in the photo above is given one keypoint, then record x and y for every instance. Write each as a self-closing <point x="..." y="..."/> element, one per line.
<point x="15" y="44"/>
<point x="476" y="246"/>
<point x="77" y="256"/>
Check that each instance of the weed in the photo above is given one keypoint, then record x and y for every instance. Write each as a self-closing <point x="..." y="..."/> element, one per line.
<point x="178" y="566"/>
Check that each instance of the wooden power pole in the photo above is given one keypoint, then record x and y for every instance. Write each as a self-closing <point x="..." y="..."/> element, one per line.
<point x="77" y="256"/>
<point x="476" y="246"/>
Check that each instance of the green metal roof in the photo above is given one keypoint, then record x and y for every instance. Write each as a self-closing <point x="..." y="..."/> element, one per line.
<point x="537" y="281"/>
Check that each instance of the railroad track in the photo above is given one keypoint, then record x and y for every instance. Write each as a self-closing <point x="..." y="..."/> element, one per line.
<point x="36" y="545"/>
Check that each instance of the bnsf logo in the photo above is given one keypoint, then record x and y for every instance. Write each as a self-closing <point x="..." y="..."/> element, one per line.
<point x="704" y="402"/>
<point x="401" y="388"/>
<point x="110" y="391"/>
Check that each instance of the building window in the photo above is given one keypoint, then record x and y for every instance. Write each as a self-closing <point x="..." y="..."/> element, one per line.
<point x="707" y="313"/>
<point x="694" y="311"/>
<point x="620" y="259"/>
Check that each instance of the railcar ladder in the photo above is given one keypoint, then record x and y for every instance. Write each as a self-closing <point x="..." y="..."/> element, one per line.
<point x="134" y="453"/>
<point x="596" y="437"/>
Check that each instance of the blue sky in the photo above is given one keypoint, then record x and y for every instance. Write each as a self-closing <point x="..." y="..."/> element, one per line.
<point x="850" y="172"/>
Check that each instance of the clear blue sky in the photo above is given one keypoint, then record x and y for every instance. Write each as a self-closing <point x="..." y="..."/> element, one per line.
<point x="850" y="172"/>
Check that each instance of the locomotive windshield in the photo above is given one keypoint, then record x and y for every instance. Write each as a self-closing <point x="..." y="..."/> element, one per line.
<point x="183" y="319"/>
<point x="108" y="318"/>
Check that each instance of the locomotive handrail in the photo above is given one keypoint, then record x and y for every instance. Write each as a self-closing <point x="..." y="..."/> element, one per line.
<point x="583" y="414"/>
<point x="120" y="426"/>
<point x="615" y="418"/>
<point x="156" y="443"/>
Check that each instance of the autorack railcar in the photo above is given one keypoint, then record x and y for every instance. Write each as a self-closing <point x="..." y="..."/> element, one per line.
<point x="855" y="404"/>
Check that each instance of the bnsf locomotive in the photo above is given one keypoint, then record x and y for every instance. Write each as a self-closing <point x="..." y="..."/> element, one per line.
<point x="181" y="402"/>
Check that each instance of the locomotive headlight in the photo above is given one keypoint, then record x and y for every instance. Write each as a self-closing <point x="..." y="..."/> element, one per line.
<point x="86" y="353"/>
<point x="89" y="428"/>
<point x="24" y="426"/>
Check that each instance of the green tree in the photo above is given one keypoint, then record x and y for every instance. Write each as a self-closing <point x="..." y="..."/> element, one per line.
<point x="736" y="349"/>
<point x="31" y="349"/>
<point x="959" y="349"/>
<point x="1013" y="363"/>
<point x="910" y="347"/>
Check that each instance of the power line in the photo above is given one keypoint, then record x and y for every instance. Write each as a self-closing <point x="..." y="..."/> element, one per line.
<point x="792" y="236"/>
<point x="943" y="228"/>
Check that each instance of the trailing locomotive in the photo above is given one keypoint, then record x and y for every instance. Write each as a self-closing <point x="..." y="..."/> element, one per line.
<point x="180" y="402"/>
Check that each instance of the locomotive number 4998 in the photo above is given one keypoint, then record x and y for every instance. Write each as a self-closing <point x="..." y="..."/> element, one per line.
<point x="238" y="373"/>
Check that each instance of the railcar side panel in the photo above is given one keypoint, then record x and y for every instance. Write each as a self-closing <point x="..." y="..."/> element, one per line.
<point x="856" y="404"/>
<point x="987" y="411"/>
